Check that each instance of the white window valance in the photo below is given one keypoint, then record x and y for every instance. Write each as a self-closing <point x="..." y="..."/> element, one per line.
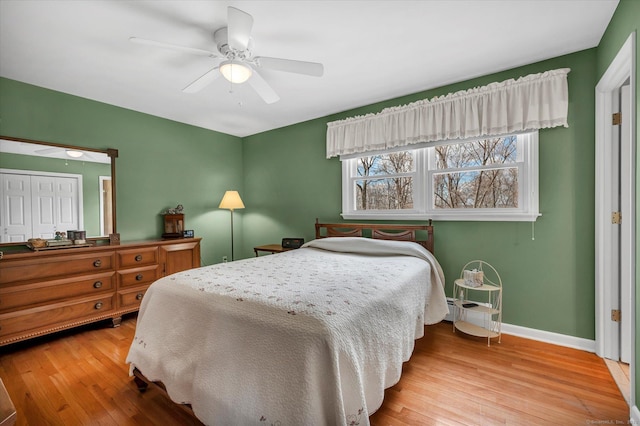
<point x="532" y="102"/>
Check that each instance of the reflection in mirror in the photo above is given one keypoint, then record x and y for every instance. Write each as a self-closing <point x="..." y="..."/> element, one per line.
<point x="47" y="188"/>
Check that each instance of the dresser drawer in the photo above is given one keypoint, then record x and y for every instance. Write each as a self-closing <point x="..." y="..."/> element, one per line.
<point x="131" y="299"/>
<point x="137" y="257"/>
<point x="138" y="276"/>
<point x="25" y="295"/>
<point x="56" y="266"/>
<point x="57" y="314"/>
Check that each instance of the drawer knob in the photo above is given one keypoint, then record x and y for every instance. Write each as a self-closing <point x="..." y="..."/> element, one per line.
<point x="97" y="284"/>
<point x="98" y="305"/>
<point x="139" y="296"/>
<point x="138" y="258"/>
<point x="139" y="277"/>
<point x="97" y="263"/>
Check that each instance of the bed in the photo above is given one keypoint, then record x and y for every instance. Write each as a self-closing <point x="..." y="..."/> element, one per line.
<point x="310" y="336"/>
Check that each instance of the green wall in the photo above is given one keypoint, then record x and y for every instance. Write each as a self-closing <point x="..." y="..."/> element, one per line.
<point x="161" y="163"/>
<point x="625" y="21"/>
<point x="548" y="281"/>
<point x="90" y="172"/>
<point x="286" y="182"/>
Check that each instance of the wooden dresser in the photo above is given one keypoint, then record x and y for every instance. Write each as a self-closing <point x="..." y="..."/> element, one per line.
<point x="47" y="291"/>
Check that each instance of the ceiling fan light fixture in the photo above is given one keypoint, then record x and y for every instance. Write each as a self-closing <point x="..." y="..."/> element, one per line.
<point x="74" y="154"/>
<point x="235" y="72"/>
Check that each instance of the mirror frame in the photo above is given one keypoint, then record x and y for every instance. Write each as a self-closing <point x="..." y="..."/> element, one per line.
<point x="112" y="153"/>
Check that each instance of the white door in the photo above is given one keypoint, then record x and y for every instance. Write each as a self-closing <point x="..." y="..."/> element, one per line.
<point x="15" y="215"/>
<point x="43" y="202"/>
<point x="621" y="229"/>
<point x="626" y="230"/>
<point x="36" y="206"/>
<point x="613" y="338"/>
<point x="66" y="197"/>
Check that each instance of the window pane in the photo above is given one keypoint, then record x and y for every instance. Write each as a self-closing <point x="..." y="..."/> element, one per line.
<point x="478" y="153"/>
<point x="386" y="164"/>
<point x="384" y="194"/>
<point x="497" y="188"/>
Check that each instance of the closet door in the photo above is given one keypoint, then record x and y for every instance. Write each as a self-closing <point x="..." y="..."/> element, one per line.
<point x="66" y="193"/>
<point x="15" y="214"/>
<point x="43" y="204"/>
<point x="54" y="202"/>
<point x="36" y="206"/>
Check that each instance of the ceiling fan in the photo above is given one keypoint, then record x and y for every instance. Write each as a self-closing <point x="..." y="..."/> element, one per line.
<point x="234" y="46"/>
<point x="73" y="153"/>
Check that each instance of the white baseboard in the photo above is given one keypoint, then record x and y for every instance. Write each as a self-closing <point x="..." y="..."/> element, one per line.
<point x="550" y="337"/>
<point x="529" y="333"/>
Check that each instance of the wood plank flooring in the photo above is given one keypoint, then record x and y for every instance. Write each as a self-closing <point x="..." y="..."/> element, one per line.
<point x="79" y="377"/>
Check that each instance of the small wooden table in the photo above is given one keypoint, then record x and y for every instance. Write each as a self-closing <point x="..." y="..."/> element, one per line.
<point x="270" y="248"/>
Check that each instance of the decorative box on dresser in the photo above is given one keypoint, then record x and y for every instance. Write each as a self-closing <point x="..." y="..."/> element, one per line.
<point x="46" y="291"/>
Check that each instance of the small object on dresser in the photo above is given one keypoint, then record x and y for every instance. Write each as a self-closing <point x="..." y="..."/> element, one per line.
<point x="37" y="242"/>
<point x="59" y="243"/>
<point x="473" y="278"/>
<point x="174" y="222"/>
<point x="78" y="237"/>
<point x="188" y="233"/>
<point x="292" y="243"/>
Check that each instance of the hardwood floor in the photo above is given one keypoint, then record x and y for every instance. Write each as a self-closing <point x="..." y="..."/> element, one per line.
<point x="80" y="378"/>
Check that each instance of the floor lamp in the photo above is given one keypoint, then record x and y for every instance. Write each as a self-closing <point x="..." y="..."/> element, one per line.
<point x="231" y="201"/>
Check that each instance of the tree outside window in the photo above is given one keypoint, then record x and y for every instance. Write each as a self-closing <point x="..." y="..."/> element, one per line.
<point x="494" y="178"/>
<point x="477" y="174"/>
<point x="382" y="183"/>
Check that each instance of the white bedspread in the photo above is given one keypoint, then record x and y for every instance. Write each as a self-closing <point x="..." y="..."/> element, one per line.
<point x="312" y="336"/>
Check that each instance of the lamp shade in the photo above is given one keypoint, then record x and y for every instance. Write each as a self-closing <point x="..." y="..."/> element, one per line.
<point x="231" y="201"/>
<point x="235" y="72"/>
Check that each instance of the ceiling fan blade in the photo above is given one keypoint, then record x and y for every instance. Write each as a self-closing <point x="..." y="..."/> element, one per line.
<point x="202" y="81"/>
<point x="190" y="50"/>
<point x="262" y="88"/>
<point x="238" y="28"/>
<point x="49" y="150"/>
<point x="289" y="65"/>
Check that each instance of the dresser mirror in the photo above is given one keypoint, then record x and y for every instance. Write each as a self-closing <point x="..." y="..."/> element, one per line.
<point x="50" y="187"/>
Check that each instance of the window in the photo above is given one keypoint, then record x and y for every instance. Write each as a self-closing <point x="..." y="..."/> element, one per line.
<point x="385" y="181"/>
<point x="487" y="179"/>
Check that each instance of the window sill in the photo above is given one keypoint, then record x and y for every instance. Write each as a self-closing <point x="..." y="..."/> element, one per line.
<point x="475" y="217"/>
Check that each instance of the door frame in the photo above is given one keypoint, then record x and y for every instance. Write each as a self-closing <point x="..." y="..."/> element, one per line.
<point x="621" y="69"/>
<point x="101" y="180"/>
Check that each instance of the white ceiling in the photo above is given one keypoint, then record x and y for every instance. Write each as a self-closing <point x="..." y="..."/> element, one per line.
<point x="371" y="51"/>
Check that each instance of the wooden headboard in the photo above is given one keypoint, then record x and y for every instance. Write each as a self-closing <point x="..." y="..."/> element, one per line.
<point x="421" y="234"/>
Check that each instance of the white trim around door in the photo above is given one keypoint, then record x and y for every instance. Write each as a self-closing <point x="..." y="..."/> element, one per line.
<point x="621" y="71"/>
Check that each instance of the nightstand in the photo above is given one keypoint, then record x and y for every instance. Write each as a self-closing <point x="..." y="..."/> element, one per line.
<point x="270" y="248"/>
<point x="481" y="301"/>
